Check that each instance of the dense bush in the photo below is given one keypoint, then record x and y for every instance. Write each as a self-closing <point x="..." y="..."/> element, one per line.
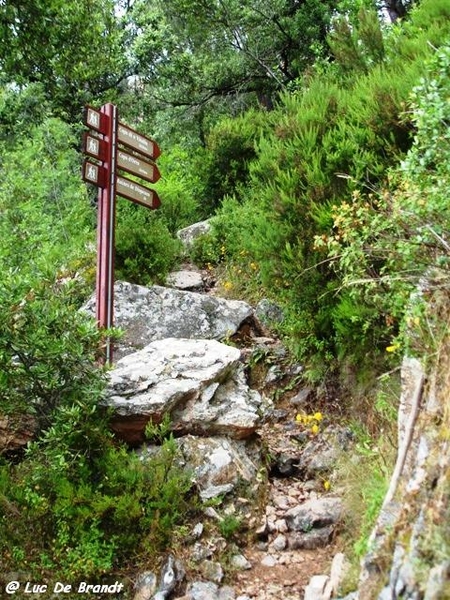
<point x="385" y="244"/>
<point x="80" y="506"/>
<point x="335" y="136"/>
<point x="231" y="146"/>
<point x="145" y="249"/>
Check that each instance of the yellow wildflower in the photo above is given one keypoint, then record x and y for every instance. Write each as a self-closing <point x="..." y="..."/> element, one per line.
<point x="393" y="348"/>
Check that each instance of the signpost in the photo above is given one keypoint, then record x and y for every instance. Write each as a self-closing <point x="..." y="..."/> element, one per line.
<point x="137" y="193"/>
<point x="102" y="145"/>
<point x="136" y="166"/>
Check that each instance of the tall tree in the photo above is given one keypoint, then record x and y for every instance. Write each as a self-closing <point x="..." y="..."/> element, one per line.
<point x="73" y="47"/>
<point x="192" y="51"/>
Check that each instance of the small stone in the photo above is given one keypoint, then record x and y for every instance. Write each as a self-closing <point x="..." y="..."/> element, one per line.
<point x="273" y="374"/>
<point x="198" y="530"/>
<point x="314" y="513"/>
<point x="281" y="525"/>
<point x="281" y="502"/>
<point x="269" y="561"/>
<point x="262" y="531"/>
<point x="262" y="546"/>
<point x="185" y="280"/>
<point x="203" y="590"/>
<point x="211" y="513"/>
<point x="302" y="396"/>
<point x="212" y="571"/>
<point x="268" y="312"/>
<point x="238" y="561"/>
<point x="337" y="571"/>
<point x="201" y="552"/>
<point x="271" y="526"/>
<point x="145" y="586"/>
<point x="316" y="538"/>
<point x="226" y="593"/>
<point x="316" y="587"/>
<point x="279" y="543"/>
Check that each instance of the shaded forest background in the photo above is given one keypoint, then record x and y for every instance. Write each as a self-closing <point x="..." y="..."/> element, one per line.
<point x="314" y="134"/>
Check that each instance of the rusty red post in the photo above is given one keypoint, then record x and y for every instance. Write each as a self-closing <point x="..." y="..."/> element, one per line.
<point x="105" y="231"/>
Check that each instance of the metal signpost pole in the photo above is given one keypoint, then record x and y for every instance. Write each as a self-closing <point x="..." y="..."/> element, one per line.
<point x="105" y="232"/>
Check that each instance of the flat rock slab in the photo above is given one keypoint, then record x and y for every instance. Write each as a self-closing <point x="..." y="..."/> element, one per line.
<point x="155" y="313"/>
<point x="185" y="280"/>
<point x="197" y="382"/>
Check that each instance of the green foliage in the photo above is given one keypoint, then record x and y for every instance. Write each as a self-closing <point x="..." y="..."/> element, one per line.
<point x="384" y="243"/>
<point x="331" y="139"/>
<point x="229" y="525"/>
<point x="47" y="348"/>
<point x="230" y="149"/>
<point x="86" y="506"/>
<point x="218" y="58"/>
<point x="21" y="109"/>
<point x="145" y="249"/>
<point x="357" y="44"/>
<point x="179" y="189"/>
<point x="82" y="57"/>
<point x="46" y="218"/>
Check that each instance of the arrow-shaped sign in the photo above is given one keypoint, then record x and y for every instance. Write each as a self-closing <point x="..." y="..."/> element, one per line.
<point x="137" y="166"/>
<point x="135" y="192"/>
<point x="134" y="140"/>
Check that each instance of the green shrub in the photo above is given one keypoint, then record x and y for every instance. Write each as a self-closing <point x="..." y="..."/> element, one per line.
<point x="230" y="150"/>
<point x="179" y="189"/>
<point x="335" y="136"/>
<point x="84" y="506"/>
<point x="47" y="348"/>
<point x="145" y="249"/>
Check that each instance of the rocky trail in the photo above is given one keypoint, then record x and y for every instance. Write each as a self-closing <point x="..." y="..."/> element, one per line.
<point x="249" y="429"/>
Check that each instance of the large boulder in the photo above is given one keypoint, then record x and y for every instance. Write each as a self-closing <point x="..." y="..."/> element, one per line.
<point x="148" y="314"/>
<point x="197" y="382"/>
<point x="190" y="233"/>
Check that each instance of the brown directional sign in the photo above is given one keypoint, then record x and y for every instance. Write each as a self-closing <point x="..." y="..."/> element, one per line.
<point x="95" y="147"/>
<point x="96" y="120"/>
<point x="136" y="166"/>
<point x="95" y="174"/>
<point x="134" y="140"/>
<point x="137" y="193"/>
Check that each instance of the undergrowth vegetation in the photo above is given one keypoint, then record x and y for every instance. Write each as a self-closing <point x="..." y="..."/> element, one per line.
<point x="319" y="199"/>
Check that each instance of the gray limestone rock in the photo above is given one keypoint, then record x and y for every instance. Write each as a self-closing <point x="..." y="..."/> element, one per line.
<point x="195" y="381"/>
<point x="316" y="589"/>
<point x="219" y="464"/>
<point x="314" y="513"/>
<point x="206" y="590"/>
<point x="155" y="313"/>
<point x="187" y="235"/>
<point x="145" y="586"/>
<point x="268" y="312"/>
<point x="310" y="540"/>
<point x="185" y="280"/>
